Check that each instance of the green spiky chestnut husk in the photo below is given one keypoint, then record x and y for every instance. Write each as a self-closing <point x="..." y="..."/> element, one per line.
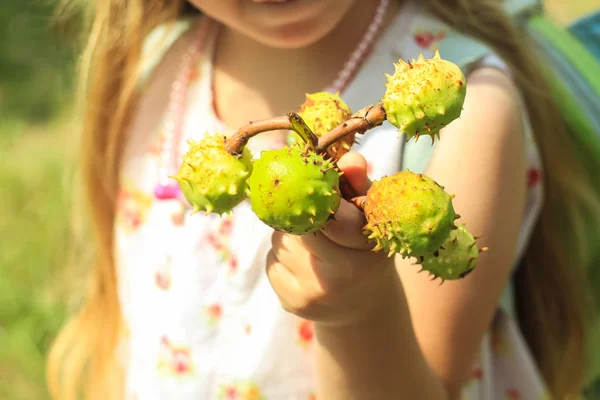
<point x="323" y="111"/>
<point x="456" y="258"/>
<point x="409" y="214"/>
<point x="211" y="179"/>
<point x="294" y="190"/>
<point x="423" y="96"/>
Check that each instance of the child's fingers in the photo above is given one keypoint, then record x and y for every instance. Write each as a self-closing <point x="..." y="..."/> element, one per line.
<point x="354" y="166"/>
<point x="346" y="229"/>
<point x="297" y="257"/>
<point x="284" y="282"/>
<point x="327" y="252"/>
<point x="315" y="262"/>
<point x="325" y="249"/>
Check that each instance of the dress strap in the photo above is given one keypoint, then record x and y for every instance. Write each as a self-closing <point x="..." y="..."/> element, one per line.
<point x="156" y="44"/>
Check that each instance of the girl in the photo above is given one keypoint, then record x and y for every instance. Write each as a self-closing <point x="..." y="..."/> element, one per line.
<point x="179" y="306"/>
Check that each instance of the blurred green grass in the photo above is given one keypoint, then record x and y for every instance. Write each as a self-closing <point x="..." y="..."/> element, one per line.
<point x="35" y="133"/>
<point x="34" y="220"/>
<point x="34" y="69"/>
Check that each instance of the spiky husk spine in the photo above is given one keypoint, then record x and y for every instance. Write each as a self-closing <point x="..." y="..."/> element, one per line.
<point x="456" y="258"/>
<point x="423" y="96"/>
<point x="294" y="190"/>
<point x="210" y="178"/>
<point x="323" y="111"/>
<point x="409" y="214"/>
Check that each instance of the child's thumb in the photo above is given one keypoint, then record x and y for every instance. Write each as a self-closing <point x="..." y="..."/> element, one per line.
<point x="346" y="230"/>
<point x="354" y="167"/>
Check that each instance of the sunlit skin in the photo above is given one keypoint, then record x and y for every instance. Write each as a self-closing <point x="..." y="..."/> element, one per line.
<point x="269" y="55"/>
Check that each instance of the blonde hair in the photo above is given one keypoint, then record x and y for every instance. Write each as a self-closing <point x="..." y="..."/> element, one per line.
<point x="83" y="359"/>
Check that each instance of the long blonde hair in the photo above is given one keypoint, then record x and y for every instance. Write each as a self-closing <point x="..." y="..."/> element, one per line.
<point x="83" y="359"/>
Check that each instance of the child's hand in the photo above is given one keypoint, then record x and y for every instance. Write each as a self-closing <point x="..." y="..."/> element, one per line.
<point x="332" y="276"/>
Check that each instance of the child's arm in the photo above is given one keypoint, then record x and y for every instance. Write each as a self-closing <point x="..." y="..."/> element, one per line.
<point x="481" y="159"/>
<point x="384" y="331"/>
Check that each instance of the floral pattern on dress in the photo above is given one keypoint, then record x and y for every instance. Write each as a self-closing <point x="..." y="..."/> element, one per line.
<point x="178" y="214"/>
<point x="213" y="313"/>
<point x="220" y="240"/>
<point x="534" y="176"/>
<point x="499" y="345"/>
<point x="513" y="394"/>
<point x="244" y="390"/>
<point x="427" y="39"/>
<point x="174" y="360"/>
<point x="306" y="332"/>
<point x="132" y="208"/>
<point x="162" y="274"/>
<point x="476" y="374"/>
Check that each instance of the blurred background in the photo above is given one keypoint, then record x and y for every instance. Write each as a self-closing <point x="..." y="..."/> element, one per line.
<point x="36" y="122"/>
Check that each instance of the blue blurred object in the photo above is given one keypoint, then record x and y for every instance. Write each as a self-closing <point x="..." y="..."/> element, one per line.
<point x="570" y="65"/>
<point x="587" y="30"/>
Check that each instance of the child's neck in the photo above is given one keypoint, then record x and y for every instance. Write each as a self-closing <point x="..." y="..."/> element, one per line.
<point x="254" y="81"/>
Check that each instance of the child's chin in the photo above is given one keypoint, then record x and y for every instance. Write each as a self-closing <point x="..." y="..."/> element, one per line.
<point x="295" y="23"/>
<point x="293" y="37"/>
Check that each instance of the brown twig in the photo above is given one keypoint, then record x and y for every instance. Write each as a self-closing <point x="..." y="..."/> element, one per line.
<point x="236" y="143"/>
<point x="363" y="120"/>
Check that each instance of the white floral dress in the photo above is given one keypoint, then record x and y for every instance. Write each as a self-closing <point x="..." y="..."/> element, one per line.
<point x="203" y="321"/>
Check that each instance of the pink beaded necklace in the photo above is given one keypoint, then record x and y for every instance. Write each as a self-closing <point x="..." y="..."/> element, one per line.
<point x="168" y="163"/>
